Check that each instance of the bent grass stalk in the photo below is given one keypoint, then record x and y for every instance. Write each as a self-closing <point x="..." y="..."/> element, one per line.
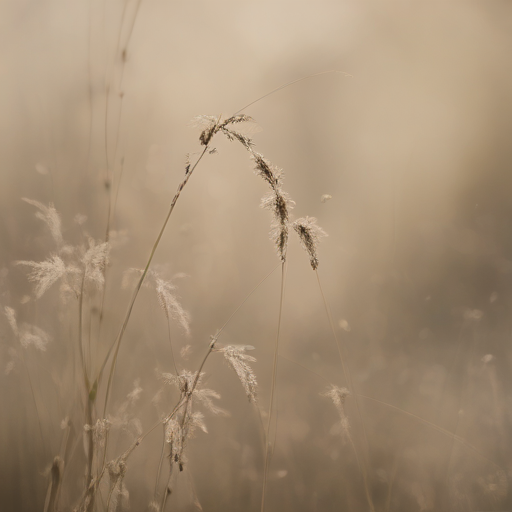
<point x="189" y="172"/>
<point x="115" y="346"/>
<point x="278" y="203"/>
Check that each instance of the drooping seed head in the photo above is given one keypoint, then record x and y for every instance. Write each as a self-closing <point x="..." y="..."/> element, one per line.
<point x="240" y="118"/>
<point x="309" y="234"/>
<point x="237" y="358"/>
<point x="279" y="203"/>
<point x="270" y="173"/>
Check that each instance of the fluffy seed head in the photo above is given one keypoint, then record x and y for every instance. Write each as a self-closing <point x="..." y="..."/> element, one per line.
<point x="271" y="174"/>
<point x="279" y="203"/>
<point x="174" y="436"/>
<point x="11" y="318"/>
<point x="33" y="335"/>
<point x="49" y="215"/>
<point x="309" y="235"/>
<point x="232" y="135"/>
<point x="99" y="431"/>
<point x="170" y="304"/>
<point x="237" y="358"/>
<point x="117" y="471"/>
<point x="95" y="260"/>
<point x="338" y="396"/>
<point x="240" y="118"/>
<point x="45" y="273"/>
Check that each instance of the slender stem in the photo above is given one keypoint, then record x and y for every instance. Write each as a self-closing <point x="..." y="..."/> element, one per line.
<point x="88" y="404"/>
<point x="117" y="342"/>
<point x="107" y="89"/>
<point x="345" y="369"/>
<point x="167" y="490"/>
<point x="43" y="445"/>
<point x="184" y="399"/>
<point x="159" y="467"/>
<point x="350" y="386"/>
<point x="119" y="338"/>
<point x="54" y="486"/>
<point x="288" y="84"/>
<point x="90" y="451"/>
<point x="80" y="336"/>
<point x="346" y="374"/>
<point x="89" y="86"/>
<point x="274" y="374"/>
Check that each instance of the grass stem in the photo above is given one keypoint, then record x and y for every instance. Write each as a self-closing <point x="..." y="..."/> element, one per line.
<point x="272" y="390"/>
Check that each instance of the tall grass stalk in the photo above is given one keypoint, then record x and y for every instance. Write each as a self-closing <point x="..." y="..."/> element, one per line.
<point x="272" y="388"/>
<point x="362" y="464"/>
<point x="278" y="203"/>
<point x="116" y="345"/>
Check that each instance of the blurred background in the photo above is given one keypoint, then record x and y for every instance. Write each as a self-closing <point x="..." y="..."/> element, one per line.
<point x="411" y="154"/>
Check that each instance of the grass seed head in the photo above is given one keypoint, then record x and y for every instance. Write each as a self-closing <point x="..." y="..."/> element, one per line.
<point x="309" y="234"/>
<point x="50" y="216"/>
<point x="238" y="360"/>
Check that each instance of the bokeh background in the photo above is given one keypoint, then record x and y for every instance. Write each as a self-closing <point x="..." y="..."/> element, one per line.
<point x="414" y="150"/>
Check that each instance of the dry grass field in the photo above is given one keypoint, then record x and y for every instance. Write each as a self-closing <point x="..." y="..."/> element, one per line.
<point x="255" y="256"/>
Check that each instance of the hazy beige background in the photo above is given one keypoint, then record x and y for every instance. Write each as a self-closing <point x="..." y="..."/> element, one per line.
<point x="415" y="151"/>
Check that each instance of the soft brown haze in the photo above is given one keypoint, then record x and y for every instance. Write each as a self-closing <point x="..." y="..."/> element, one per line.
<point x="409" y="149"/>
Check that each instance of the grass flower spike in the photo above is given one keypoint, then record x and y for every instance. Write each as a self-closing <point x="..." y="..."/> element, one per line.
<point x="237" y="358"/>
<point x="309" y="235"/>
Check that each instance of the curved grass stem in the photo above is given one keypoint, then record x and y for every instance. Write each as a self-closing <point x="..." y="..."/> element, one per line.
<point x="115" y="346"/>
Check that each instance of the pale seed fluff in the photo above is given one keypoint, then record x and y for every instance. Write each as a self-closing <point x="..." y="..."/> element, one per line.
<point x="309" y="234"/>
<point x="338" y="396"/>
<point x="49" y="215"/>
<point x="153" y="506"/>
<point x="118" y="492"/>
<point x="174" y="437"/>
<point x="185" y="381"/>
<point x="27" y="334"/>
<point x="237" y="358"/>
<point x="185" y="352"/>
<point x="11" y="363"/>
<point x="205" y="396"/>
<point x="196" y="421"/>
<point x="95" y="260"/>
<point x="45" y="273"/>
<point x="35" y="336"/>
<point x="11" y="318"/>
<point x="99" y="431"/>
<point x="176" y="433"/>
<point x="170" y="304"/>
<point x="165" y="291"/>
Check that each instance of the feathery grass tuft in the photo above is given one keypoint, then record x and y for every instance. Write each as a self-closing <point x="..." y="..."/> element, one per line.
<point x="309" y="234"/>
<point x="49" y="215"/>
<point x="237" y="358"/>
